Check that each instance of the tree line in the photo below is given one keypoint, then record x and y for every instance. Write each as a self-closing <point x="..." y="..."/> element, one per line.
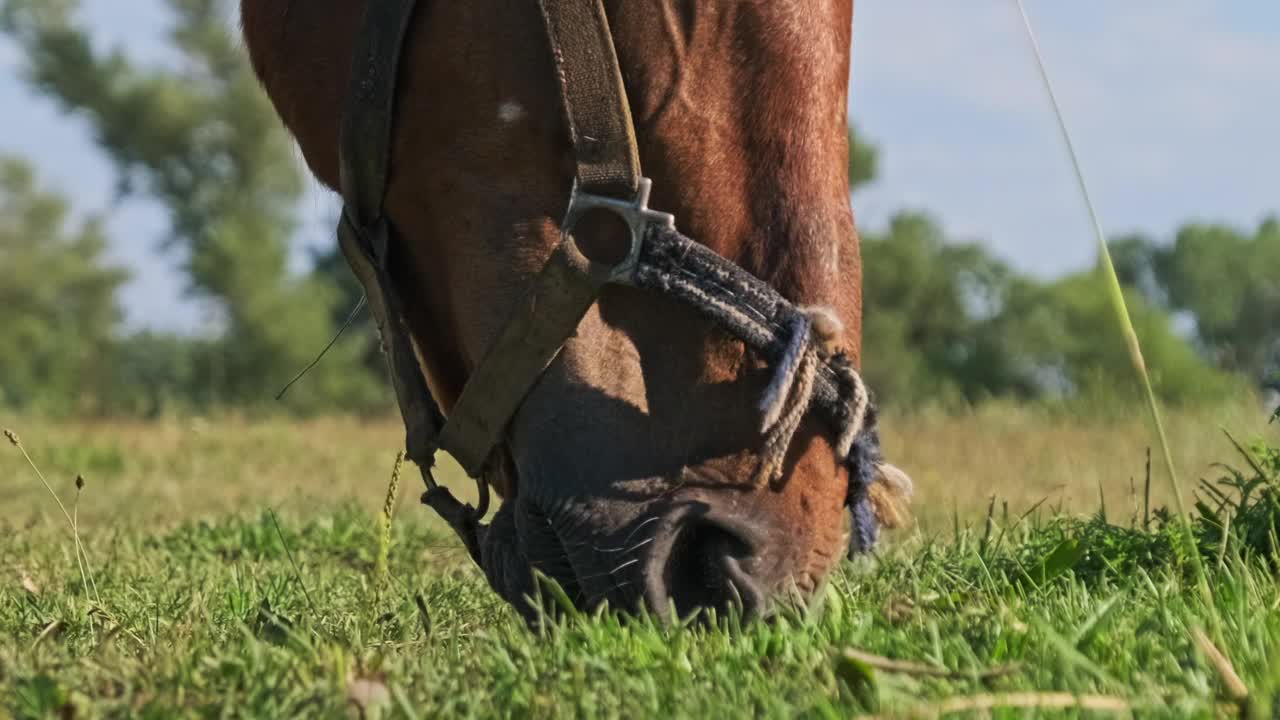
<point x="946" y="321"/>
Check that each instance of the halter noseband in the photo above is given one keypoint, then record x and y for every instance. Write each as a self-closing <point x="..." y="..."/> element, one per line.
<point x="659" y="259"/>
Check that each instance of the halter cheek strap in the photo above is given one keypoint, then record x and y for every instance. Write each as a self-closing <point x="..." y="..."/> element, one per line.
<point x="594" y="100"/>
<point x="365" y="236"/>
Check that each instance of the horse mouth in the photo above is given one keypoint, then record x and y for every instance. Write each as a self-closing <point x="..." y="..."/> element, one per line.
<point x="683" y="559"/>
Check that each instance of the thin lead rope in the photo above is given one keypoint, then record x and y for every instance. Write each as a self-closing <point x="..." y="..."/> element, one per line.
<point x="351" y="318"/>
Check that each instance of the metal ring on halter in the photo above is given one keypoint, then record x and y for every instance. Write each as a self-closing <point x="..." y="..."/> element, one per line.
<point x="635" y="212"/>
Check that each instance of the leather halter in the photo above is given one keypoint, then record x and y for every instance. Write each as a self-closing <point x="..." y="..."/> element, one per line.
<point x="659" y="259"/>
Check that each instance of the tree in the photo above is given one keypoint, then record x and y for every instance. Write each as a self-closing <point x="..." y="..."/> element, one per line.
<point x="202" y="139"/>
<point x="1141" y="265"/>
<point x="1230" y="282"/>
<point x="864" y="161"/>
<point x="934" y="311"/>
<point x="58" y="307"/>
<point x="1224" y="279"/>
<point x="1068" y="337"/>
<point x="946" y="321"/>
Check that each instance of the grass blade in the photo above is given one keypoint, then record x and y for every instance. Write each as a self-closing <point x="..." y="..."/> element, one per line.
<point x="296" y="572"/>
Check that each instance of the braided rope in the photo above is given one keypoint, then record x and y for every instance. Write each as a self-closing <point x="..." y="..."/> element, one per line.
<point x="809" y="372"/>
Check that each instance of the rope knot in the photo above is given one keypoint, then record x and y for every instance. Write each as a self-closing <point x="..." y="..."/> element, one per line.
<point x="815" y="327"/>
<point x="816" y="335"/>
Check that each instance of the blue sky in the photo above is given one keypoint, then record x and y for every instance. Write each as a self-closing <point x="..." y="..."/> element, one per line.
<point x="1174" y="106"/>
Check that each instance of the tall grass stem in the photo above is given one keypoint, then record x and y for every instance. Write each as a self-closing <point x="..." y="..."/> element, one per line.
<point x="1116" y="295"/>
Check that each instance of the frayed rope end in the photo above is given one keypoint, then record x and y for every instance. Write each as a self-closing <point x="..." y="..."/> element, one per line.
<point x="890" y="496"/>
<point x="826" y="327"/>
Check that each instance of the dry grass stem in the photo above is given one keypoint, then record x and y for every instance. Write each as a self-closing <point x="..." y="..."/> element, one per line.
<point x="1236" y="688"/>
<point x="904" y="667"/>
<point x="48" y="630"/>
<point x="1025" y="700"/>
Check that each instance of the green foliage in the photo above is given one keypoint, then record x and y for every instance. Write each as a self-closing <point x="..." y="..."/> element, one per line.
<point x="945" y="321"/>
<point x="931" y="308"/>
<point x="1068" y="333"/>
<point x="1138" y="261"/>
<point x="1240" y="510"/>
<point x="201" y="138"/>
<point x="203" y="613"/>
<point x="156" y="374"/>
<point x="57" y="295"/>
<point x="1237" y="516"/>
<point x="1229" y="281"/>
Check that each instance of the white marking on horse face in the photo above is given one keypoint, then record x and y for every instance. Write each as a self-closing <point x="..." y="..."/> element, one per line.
<point x="510" y="111"/>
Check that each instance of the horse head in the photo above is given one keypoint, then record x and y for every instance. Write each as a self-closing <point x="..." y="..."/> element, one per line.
<point x="640" y="468"/>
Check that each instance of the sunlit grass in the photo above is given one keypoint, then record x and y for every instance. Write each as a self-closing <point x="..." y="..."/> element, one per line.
<point x="203" y="611"/>
<point x="210" y="618"/>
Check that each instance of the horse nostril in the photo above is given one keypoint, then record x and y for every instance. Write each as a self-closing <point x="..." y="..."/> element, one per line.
<point x="703" y="568"/>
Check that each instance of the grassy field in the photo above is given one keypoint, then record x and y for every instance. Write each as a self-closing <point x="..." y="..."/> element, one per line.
<point x="231" y="572"/>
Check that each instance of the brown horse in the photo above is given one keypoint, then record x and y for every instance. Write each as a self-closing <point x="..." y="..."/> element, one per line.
<point x="628" y="466"/>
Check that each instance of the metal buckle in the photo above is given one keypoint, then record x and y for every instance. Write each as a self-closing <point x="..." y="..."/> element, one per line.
<point x="635" y="212"/>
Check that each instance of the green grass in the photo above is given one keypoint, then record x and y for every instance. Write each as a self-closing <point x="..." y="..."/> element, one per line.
<point x="229" y="613"/>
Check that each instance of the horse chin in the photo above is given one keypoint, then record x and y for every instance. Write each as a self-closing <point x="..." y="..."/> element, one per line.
<point x="529" y="546"/>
